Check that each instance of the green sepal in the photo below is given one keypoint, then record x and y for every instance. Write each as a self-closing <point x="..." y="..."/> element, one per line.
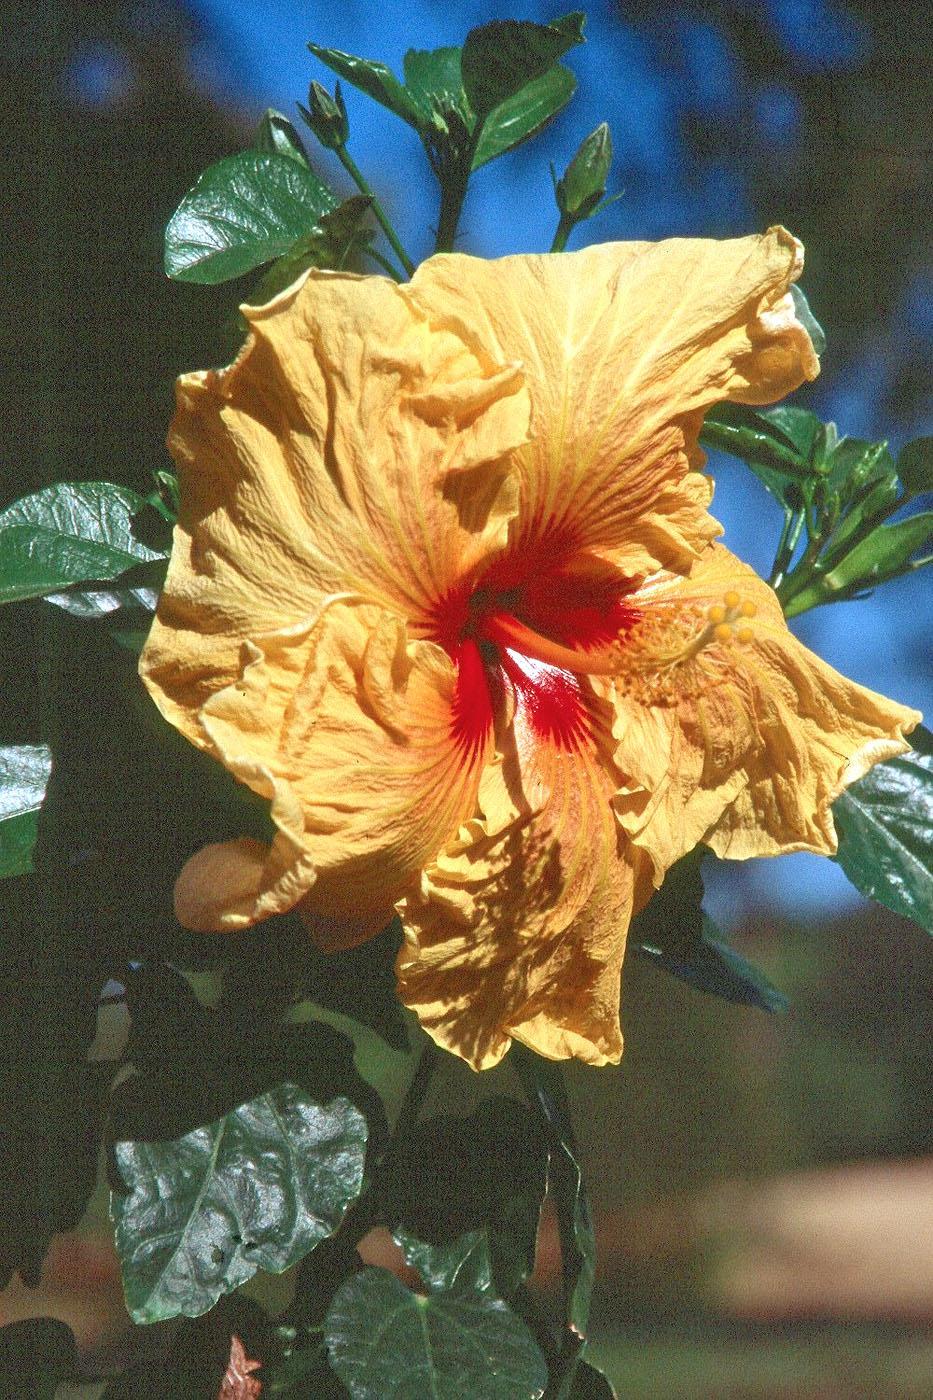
<point x="915" y="465"/>
<point x="454" y="1342"/>
<point x="376" y="80"/>
<point x="69" y="533"/>
<point x="885" y="827"/>
<point x="277" y="136"/>
<point x="25" y="770"/>
<point x="581" y="188"/>
<point x="673" y="932"/>
<point x="502" y="57"/>
<point x="243" y="212"/>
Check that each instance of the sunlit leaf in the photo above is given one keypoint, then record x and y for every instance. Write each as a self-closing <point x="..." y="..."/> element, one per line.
<point x="68" y="533"/>
<point x="524" y="115"/>
<point x="256" y="1189"/>
<point x="375" y="79"/>
<point x="432" y="78"/>
<point x="243" y="212"/>
<point x="459" y="1341"/>
<point x="886" y="552"/>
<point x="333" y="243"/>
<point x="885" y="828"/>
<point x="24" y="776"/>
<point x="501" y="57"/>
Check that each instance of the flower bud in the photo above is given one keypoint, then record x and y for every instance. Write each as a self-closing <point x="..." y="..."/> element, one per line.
<point x="326" y="116"/>
<point x="583" y="184"/>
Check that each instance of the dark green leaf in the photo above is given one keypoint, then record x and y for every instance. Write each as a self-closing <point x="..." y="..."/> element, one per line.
<point x="584" y="181"/>
<point x="674" y="933"/>
<point x="589" y="1383"/>
<point x="277" y="135"/>
<point x="915" y="465"/>
<point x="713" y="967"/>
<point x="771" y="452"/>
<point x="433" y="80"/>
<point x="24" y="776"/>
<point x="384" y="1340"/>
<point x="498" y="1187"/>
<point x="68" y="533"/>
<point x="500" y="58"/>
<point x="376" y="80"/>
<point x="257" y="1189"/>
<point x="243" y="211"/>
<point x="801" y="427"/>
<point x="885" y="828"/>
<point x="36" y="1355"/>
<point x="525" y="114"/>
<point x="807" y="319"/>
<point x="360" y="983"/>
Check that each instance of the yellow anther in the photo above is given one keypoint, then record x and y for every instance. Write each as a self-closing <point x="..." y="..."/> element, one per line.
<point x="732" y="599"/>
<point x="745" y="635"/>
<point x="722" y="632"/>
<point x="716" y="613"/>
<point x="747" y="608"/>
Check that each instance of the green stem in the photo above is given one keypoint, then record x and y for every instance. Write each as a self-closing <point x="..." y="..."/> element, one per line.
<point x="564" y="229"/>
<point x="362" y="184"/>
<point x="793" y="524"/>
<point x="385" y="264"/>
<point x="454" y="183"/>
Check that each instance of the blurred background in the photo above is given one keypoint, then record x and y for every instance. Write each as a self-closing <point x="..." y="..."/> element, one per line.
<point x="763" y="1190"/>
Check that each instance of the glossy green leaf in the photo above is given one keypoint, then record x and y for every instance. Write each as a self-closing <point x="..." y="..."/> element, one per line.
<point x="243" y="212"/>
<point x="500" y="58"/>
<point x="433" y="79"/>
<point x="385" y="1341"/>
<point x="277" y="136"/>
<point x="885" y="827"/>
<point x="24" y="775"/>
<point x="807" y="319"/>
<point x="66" y="534"/>
<point x="583" y="184"/>
<point x="376" y="80"/>
<point x="887" y="551"/>
<point x="915" y="465"/>
<point x="256" y="1189"/>
<point x="524" y="115"/>
<point x="773" y="455"/>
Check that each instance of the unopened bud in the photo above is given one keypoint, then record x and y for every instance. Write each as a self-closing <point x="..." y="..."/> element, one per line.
<point x="326" y="116"/>
<point x="583" y="184"/>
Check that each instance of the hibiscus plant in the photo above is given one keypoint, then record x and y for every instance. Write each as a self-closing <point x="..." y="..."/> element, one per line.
<point x="470" y="690"/>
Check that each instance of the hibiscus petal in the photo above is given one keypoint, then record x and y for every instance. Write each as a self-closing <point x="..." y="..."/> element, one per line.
<point x="625" y="345"/>
<point x="347" y="728"/>
<point x="519" y="929"/>
<point x="349" y="449"/>
<point x="745" y="743"/>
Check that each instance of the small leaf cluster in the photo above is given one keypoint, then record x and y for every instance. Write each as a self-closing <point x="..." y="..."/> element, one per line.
<point x="838" y="496"/>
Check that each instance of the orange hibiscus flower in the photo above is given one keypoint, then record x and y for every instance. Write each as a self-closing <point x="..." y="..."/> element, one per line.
<point x="445" y="590"/>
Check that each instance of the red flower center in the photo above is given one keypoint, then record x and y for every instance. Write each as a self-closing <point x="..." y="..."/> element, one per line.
<point x="529" y="633"/>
